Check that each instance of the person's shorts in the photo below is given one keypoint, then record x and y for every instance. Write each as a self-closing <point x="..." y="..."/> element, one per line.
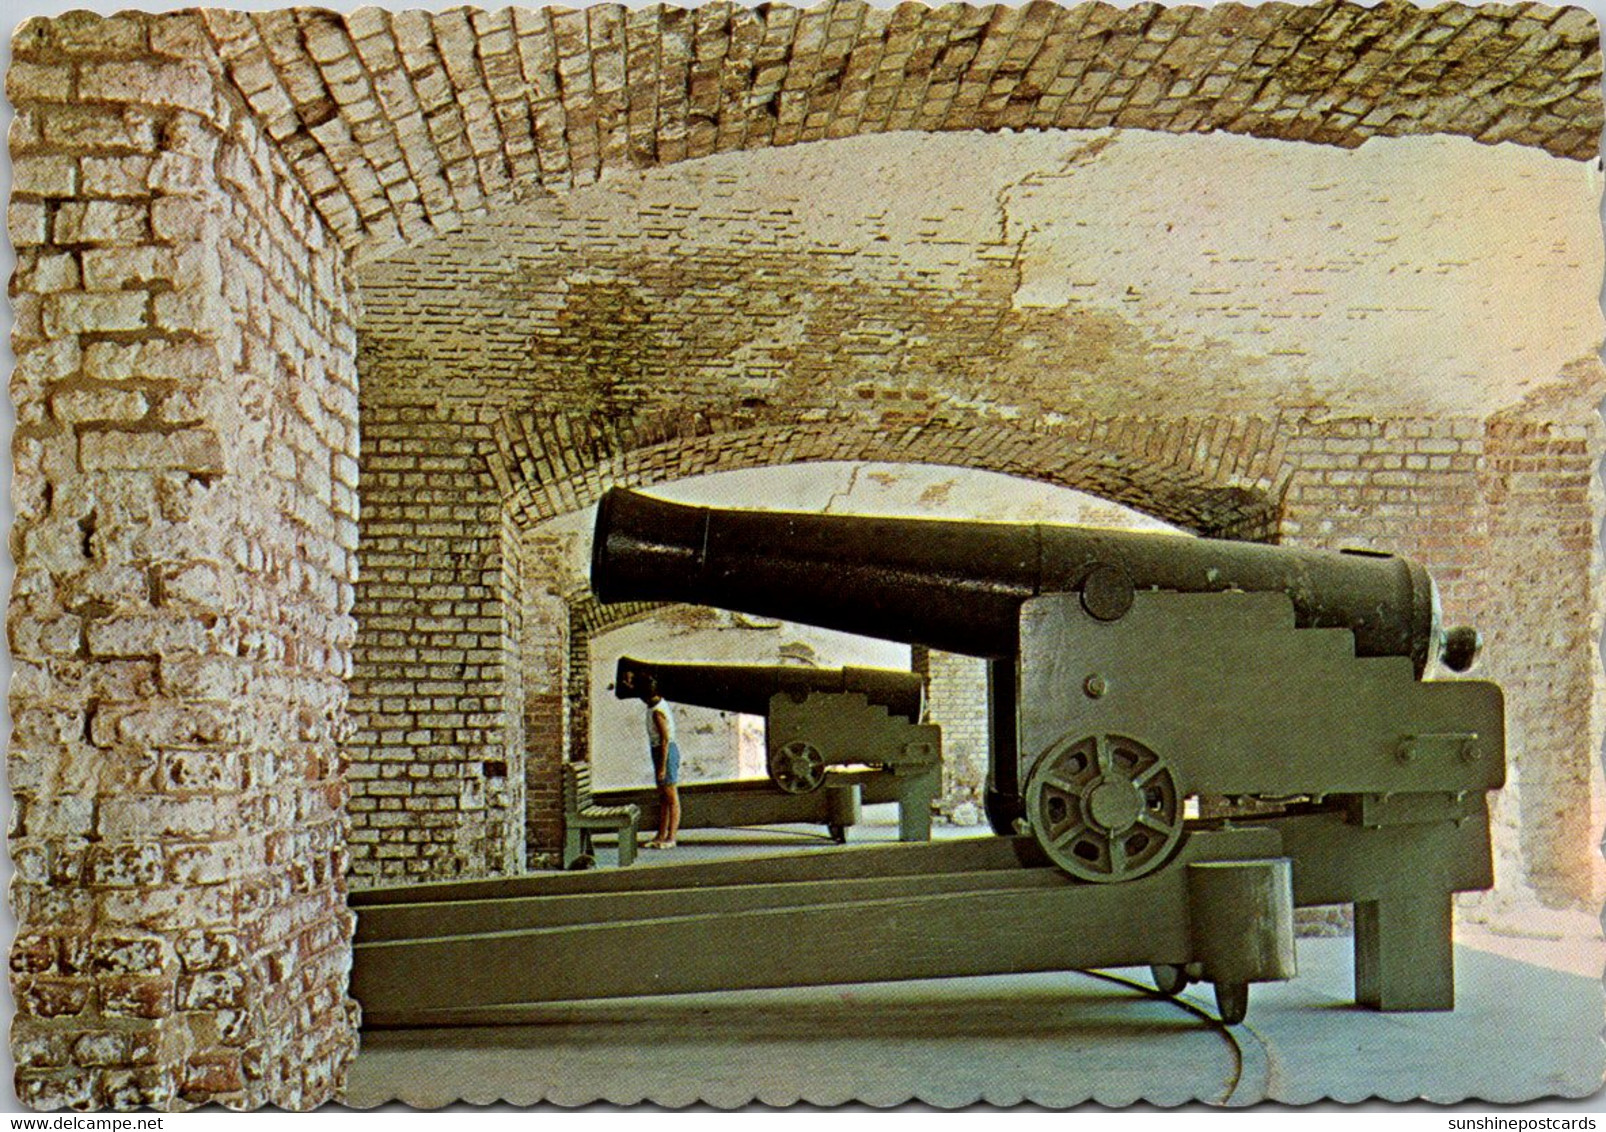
<point x="672" y="766"/>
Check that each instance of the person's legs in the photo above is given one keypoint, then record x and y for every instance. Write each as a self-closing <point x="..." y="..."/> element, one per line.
<point x="671" y="814"/>
<point x="669" y="799"/>
<point x="667" y="803"/>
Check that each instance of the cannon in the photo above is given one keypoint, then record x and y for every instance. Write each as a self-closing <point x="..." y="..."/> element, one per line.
<point x="1131" y="672"/>
<point x="959" y="586"/>
<point x="815" y="719"/>
<point x="962" y="587"/>
<point x="750" y="688"/>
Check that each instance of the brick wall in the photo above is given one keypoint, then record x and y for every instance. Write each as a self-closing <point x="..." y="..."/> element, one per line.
<point x="588" y="618"/>
<point x="505" y="773"/>
<point x="185" y="536"/>
<point x="1503" y="513"/>
<point x="547" y="720"/>
<point x="1542" y="627"/>
<point x="956" y="691"/>
<point x="429" y="747"/>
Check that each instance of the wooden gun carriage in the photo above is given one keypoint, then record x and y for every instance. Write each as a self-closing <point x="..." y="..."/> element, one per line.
<point x="1128" y="673"/>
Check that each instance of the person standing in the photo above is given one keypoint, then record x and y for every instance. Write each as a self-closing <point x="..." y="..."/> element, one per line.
<point x="665" y="764"/>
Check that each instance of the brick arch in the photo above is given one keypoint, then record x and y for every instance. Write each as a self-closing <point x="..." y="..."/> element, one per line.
<point x="1215" y="476"/>
<point x="402" y="125"/>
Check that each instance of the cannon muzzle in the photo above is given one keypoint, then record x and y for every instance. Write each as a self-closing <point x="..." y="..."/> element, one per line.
<point x="958" y="586"/>
<point x="748" y="688"/>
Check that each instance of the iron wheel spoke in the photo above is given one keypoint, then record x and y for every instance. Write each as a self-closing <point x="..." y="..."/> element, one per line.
<point x="1141" y="779"/>
<point x="1145" y="818"/>
<point x="1052" y="781"/>
<point x="1106" y="756"/>
<point x="1117" y="857"/>
<point x="1064" y="838"/>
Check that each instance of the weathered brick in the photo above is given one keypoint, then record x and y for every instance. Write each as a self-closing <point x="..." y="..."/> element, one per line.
<point x="201" y="864"/>
<point x="34" y="954"/>
<point x="179" y="361"/>
<point x="181" y="218"/>
<point x="99" y="404"/>
<point x="204" y="950"/>
<point x="28" y="82"/>
<point x="101" y="222"/>
<point x="213" y="1075"/>
<point x="204" y="678"/>
<point x="163" y="817"/>
<point x="192" y="450"/>
<point x="123" y="1089"/>
<point x="126" y="175"/>
<point x="112" y="269"/>
<point x="178" y="725"/>
<point x="87" y="33"/>
<point x="44" y="175"/>
<point x="46" y="274"/>
<point x="199" y="312"/>
<point x="74" y="1088"/>
<point x="53" y="998"/>
<point x="27" y="223"/>
<point x="591" y="307"/>
<point x="127" y="866"/>
<point x="89" y="312"/>
<point x="181" y="84"/>
<point x="148" y="635"/>
<point x="40" y="1051"/>
<point x="127" y="956"/>
<point x="129" y="996"/>
<point x="95" y="128"/>
<point x="209" y="990"/>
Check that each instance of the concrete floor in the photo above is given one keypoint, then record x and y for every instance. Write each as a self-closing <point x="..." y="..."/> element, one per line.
<point x="1522" y="1031"/>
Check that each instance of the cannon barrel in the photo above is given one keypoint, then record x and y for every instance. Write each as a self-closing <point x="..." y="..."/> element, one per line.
<point x="748" y="687"/>
<point x="958" y="586"/>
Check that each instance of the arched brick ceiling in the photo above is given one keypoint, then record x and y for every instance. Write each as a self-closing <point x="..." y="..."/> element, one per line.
<point x="1212" y="477"/>
<point x="402" y="124"/>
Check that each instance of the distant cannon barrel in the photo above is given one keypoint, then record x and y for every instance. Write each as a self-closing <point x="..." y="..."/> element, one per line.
<point x="958" y="586"/>
<point x="748" y="688"/>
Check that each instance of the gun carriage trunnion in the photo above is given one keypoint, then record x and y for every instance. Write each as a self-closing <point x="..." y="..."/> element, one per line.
<point x="1128" y="672"/>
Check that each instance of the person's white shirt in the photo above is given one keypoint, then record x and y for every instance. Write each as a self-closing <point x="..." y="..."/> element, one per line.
<point x="661" y="708"/>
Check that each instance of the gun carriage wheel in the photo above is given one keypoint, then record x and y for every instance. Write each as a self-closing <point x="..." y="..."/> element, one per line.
<point x="1105" y="808"/>
<point x="1169" y="978"/>
<point x="797" y="768"/>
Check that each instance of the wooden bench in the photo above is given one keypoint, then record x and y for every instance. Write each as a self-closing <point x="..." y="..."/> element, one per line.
<point x="582" y="814"/>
